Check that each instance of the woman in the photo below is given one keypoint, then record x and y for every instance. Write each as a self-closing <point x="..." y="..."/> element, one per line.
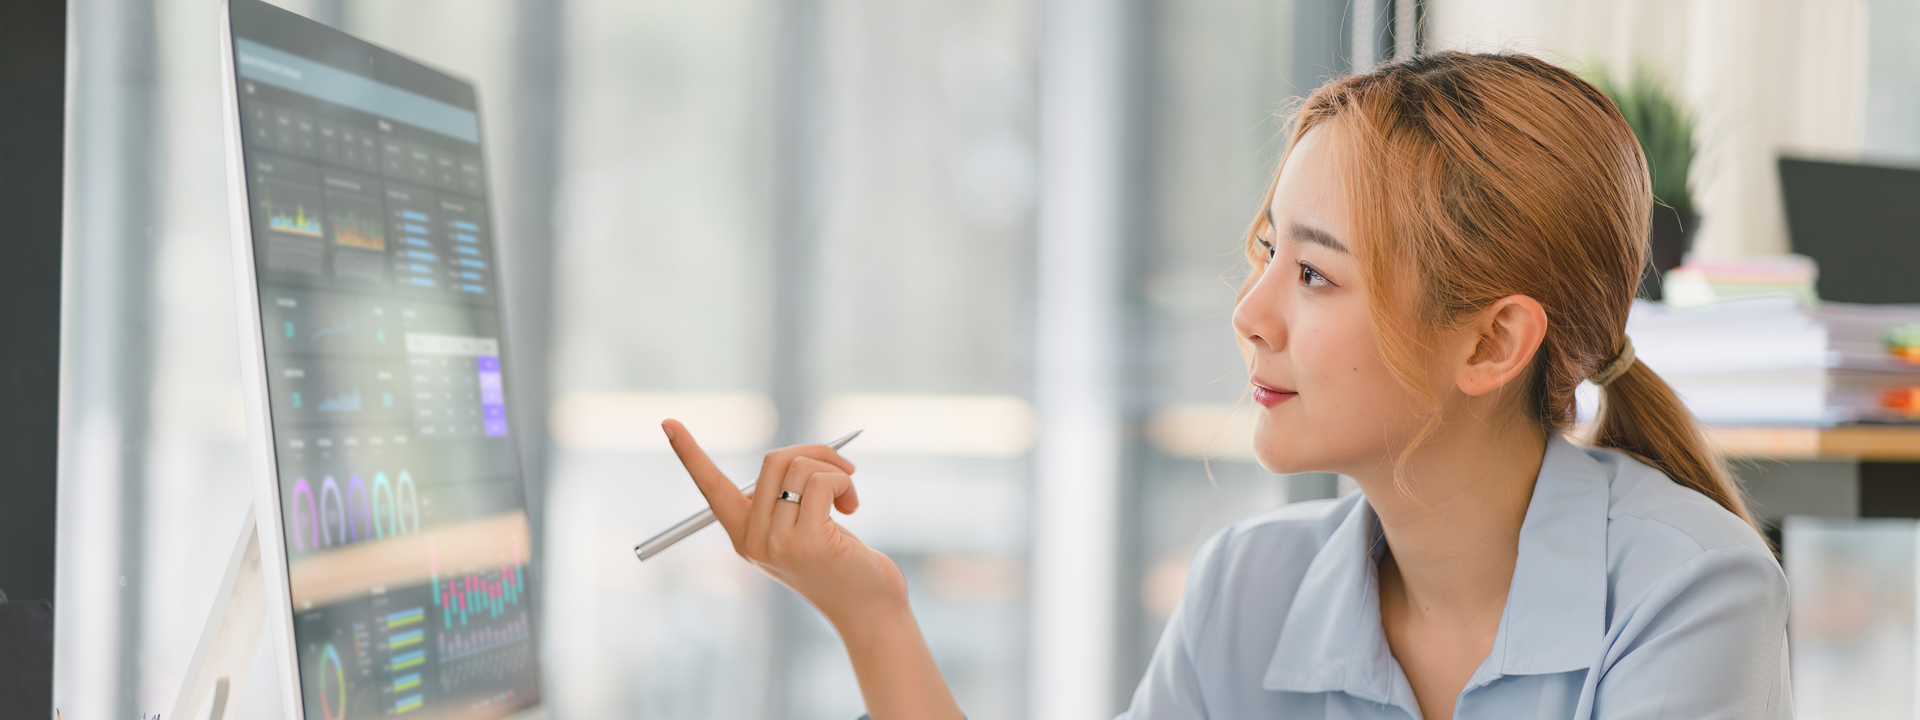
<point x="1450" y="247"/>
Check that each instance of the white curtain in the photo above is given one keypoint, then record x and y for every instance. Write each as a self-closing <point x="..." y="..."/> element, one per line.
<point x="1764" y="77"/>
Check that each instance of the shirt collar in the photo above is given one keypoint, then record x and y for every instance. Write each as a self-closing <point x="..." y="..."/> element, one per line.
<point x="1332" y="639"/>
<point x="1554" y="621"/>
<point x="1556" y="615"/>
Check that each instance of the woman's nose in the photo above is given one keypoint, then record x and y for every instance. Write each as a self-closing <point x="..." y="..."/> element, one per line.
<point x="1257" y="318"/>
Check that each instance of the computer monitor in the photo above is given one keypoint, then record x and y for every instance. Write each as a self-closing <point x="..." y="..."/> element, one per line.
<point x="1861" y="226"/>
<point x="391" y="503"/>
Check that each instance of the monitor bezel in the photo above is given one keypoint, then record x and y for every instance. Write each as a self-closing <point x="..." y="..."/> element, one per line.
<point x="263" y="459"/>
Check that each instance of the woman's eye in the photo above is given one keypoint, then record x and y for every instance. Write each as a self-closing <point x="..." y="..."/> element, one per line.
<point x="1271" y="251"/>
<point x="1311" y="277"/>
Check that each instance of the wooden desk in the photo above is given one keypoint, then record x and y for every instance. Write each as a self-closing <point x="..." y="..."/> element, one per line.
<point x="1848" y="471"/>
<point x="1863" y="443"/>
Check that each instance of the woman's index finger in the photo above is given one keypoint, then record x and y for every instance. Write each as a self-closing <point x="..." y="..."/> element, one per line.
<point x="728" y="503"/>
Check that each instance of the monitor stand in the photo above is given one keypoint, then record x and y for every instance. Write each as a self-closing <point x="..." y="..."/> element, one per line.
<point x="225" y="654"/>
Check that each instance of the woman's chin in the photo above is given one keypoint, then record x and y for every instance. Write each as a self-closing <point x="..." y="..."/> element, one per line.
<point x="1281" y="464"/>
<point x="1283" y="457"/>
<point x="1280" y="449"/>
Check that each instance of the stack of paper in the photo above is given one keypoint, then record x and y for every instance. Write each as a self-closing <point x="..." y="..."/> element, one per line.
<point x="1700" y="281"/>
<point x="1777" y="361"/>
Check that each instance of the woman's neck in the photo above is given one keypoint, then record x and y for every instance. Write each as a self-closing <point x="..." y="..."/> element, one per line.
<point x="1454" y="534"/>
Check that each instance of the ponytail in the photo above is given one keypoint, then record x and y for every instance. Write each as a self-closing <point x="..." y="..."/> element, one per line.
<point x="1641" y="416"/>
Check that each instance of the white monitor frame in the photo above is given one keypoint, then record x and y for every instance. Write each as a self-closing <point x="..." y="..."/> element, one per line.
<point x="263" y="461"/>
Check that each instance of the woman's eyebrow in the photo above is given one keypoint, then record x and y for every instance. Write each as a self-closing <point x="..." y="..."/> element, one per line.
<point x="1303" y="233"/>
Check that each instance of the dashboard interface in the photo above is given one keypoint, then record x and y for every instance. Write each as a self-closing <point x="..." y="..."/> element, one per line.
<point x="404" y="512"/>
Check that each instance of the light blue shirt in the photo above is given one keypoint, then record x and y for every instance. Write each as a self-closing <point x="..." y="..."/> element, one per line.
<point x="1632" y="597"/>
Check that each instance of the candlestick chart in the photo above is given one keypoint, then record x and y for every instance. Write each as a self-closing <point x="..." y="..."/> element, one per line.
<point x="485" y="594"/>
<point x="484" y="625"/>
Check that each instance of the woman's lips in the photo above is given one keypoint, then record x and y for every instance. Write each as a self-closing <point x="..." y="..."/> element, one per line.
<point x="1269" y="397"/>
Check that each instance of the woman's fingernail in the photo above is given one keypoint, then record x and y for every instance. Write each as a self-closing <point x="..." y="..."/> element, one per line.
<point x="669" y="431"/>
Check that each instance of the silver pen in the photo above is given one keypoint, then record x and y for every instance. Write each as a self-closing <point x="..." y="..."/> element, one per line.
<point x="704" y="518"/>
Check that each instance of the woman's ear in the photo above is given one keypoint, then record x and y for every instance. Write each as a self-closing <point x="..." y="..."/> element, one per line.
<point x="1506" y="335"/>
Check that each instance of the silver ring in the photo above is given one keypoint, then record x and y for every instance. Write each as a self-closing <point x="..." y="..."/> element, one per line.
<point x="790" y="496"/>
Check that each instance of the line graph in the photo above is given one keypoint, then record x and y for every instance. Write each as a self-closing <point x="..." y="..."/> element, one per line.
<point x="343" y="402"/>
<point x="343" y="328"/>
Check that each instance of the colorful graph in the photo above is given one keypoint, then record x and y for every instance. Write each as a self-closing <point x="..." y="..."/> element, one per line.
<point x="353" y="231"/>
<point x="294" y="222"/>
<point x="356" y="515"/>
<point x="344" y="329"/>
<point x="406" y="682"/>
<point x="408" y="660"/>
<point x="330" y="498"/>
<point x="334" y="708"/>
<point x="487" y="593"/>
<point x="486" y="673"/>
<point x="456" y="644"/>
<point x="413" y="228"/>
<point x="406" y="643"/>
<point x="403" y="619"/>
<point x="493" y="397"/>
<point x="343" y="402"/>
<point x="402" y="505"/>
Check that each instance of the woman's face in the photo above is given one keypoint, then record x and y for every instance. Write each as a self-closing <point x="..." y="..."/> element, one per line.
<point x="1325" y="398"/>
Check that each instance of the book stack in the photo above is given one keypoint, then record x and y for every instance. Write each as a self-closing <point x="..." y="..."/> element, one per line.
<point x="1776" y="360"/>
<point x="1699" y="281"/>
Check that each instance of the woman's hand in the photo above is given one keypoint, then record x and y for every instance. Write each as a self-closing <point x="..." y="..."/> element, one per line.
<point x="799" y="544"/>
<point x="859" y="590"/>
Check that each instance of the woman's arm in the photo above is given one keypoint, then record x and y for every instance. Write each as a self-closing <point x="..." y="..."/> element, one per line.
<point x="898" y="677"/>
<point x="859" y="589"/>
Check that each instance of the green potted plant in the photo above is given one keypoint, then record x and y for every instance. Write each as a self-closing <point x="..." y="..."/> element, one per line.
<point x="1665" y="130"/>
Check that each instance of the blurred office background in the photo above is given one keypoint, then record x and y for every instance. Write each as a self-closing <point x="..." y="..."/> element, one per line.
<point x="1001" y="235"/>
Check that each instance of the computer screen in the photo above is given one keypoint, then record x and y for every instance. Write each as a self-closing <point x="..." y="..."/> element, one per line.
<point x="402" y="510"/>
<point x="1858" y="223"/>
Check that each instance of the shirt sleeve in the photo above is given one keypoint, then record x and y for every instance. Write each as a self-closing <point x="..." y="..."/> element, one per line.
<point x="1171" y="688"/>
<point x="1708" y="641"/>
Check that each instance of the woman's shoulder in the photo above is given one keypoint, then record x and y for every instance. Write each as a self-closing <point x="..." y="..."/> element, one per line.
<point x="1265" y="554"/>
<point x="1645" y="505"/>
<point x="1244" y="579"/>
<point x="1661" y="533"/>
<point x="1297" y="527"/>
<point x="1305" y="516"/>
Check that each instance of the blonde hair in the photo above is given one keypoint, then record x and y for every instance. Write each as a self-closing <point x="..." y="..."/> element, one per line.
<point x="1480" y="176"/>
